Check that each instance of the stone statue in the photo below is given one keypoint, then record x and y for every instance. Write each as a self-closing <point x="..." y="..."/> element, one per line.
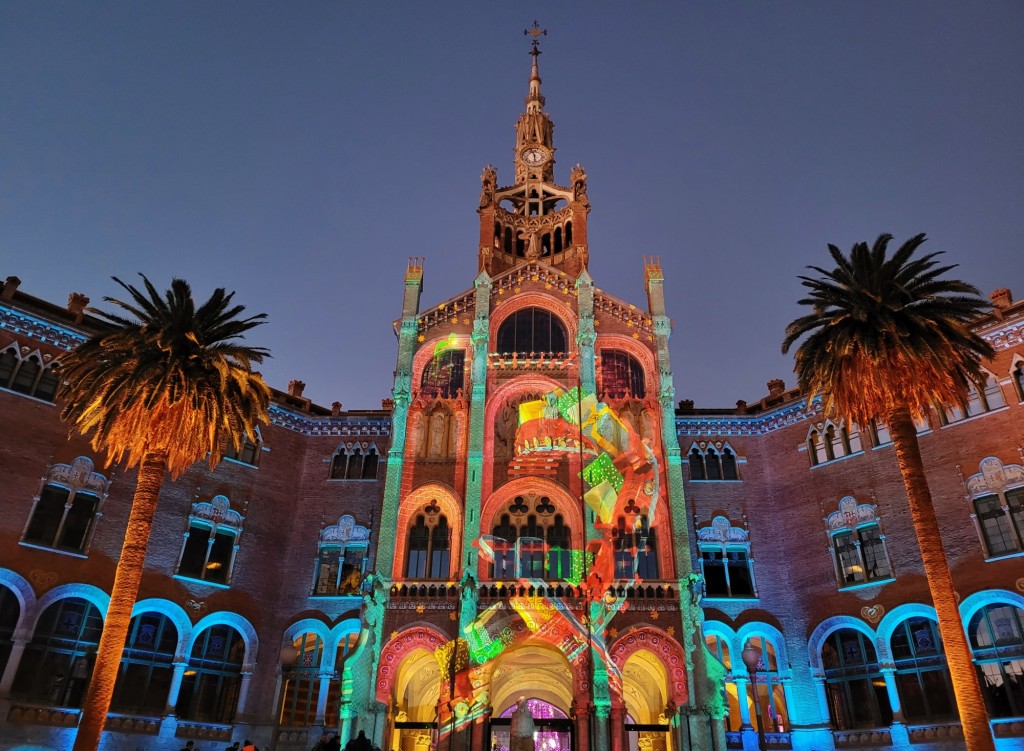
<point x="532" y="242"/>
<point x="578" y="177"/>
<point x="522" y="729"/>
<point x="488" y="184"/>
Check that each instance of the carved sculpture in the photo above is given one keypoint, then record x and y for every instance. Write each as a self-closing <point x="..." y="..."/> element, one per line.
<point x="522" y="728"/>
<point x="488" y="184"/>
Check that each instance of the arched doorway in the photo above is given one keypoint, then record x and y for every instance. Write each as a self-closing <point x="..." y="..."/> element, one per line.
<point x="645" y="693"/>
<point x="417" y="691"/>
<point x="541" y="676"/>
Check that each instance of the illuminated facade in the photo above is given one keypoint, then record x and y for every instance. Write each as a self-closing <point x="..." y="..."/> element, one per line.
<point x="530" y="515"/>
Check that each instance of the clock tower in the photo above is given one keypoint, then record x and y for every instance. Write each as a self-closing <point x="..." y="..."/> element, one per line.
<point x="534" y="219"/>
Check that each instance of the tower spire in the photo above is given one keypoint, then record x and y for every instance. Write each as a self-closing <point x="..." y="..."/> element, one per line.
<point x="534" y="100"/>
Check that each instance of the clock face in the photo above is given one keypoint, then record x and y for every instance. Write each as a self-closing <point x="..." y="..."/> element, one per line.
<point x="534" y="156"/>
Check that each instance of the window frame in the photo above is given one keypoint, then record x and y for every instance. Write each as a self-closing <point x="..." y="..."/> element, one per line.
<point x="76" y="479"/>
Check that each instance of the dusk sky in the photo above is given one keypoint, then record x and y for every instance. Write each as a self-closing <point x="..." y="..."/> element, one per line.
<point x="300" y="152"/>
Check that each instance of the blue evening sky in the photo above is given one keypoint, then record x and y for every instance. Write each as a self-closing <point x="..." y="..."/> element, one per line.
<point x="299" y="152"/>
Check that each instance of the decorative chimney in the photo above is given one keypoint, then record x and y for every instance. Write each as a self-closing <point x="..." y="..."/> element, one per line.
<point x="686" y="404"/>
<point x="295" y="388"/>
<point x="10" y="286"/>
<point x="76" y="304"/>
<point x="776" y="386"/>
<point x="741" y="407"/>
<point x="335" y="409"/>
<point x="388" y="405"/>
<point x="1001" y="298"/>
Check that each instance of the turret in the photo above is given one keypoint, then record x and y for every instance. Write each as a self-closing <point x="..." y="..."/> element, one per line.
<point x="534" y="219"/>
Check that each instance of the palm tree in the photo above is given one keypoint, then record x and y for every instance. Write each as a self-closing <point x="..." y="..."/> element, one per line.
<point x="158" y="390"/>
<point x="888" y="338"/>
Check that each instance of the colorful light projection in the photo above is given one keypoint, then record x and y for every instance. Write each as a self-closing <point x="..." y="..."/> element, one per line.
<point x="622" y="476"/>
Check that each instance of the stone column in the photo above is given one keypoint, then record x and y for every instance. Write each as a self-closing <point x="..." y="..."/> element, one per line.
<point x="177" y="674"/>
<point x="743" y="696"/>
<point x="617" y="728"/>
<point x="889" y="674"/>
<point x="819" y="684"/>
<point x="19" y="642"/>
<point x="243" y="693"/>
<point x="582" y="728"/>
<point x="601" y="727"/>
<point x="321" y="699"/>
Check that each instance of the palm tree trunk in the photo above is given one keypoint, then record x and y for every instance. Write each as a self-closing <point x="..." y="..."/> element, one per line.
<point x="122" y="600"/>
<point x="970" y="703"/>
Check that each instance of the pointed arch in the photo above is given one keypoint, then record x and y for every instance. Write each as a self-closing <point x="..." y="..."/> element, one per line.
<point x="451" y="508"/>
<point x="418" y="636"/>
<point x="666" y="648"/>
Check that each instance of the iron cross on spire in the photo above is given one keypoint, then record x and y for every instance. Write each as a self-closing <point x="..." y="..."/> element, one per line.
<point x="536" y="32"/>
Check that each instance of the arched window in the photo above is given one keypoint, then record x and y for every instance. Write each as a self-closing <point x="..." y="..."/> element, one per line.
<point x="858" y="545"/>
<point x="827" y="442"/>
<point x="922" y="678"/>
<point x="854" y="686"/>
<point x="719" y="647"/>
<point x="341" y="558"/>
<point x="355" y="462"/>
<point x="429" y="545"/>
<point x="144" y="678"/>
<point x="697" y="465"/>
<point x="445" y="375"/>
<point x="25" y="378"/>
<point x="713" y="462"/>
<point x="532" y="541"/>
<point x="1001" y="530"/>
<point x="8" y="364"/>
<point x="725" y="561"/>
<point x="621" y="375"/>
<point x="771" y="694"/>
<point x="10" y="611"/>
<point x="997" y="640"/>
<point x="981" y="398"/>
<point x="209" y="688"/>
<point x="57" y="664"/>
<point x="1018" y="380"/>
<point x="729" y="465"/>
<point x="531" y="330"/>
<point x="66" y="508"/>
<point x="300" y="685"/>
<point x="636" y="552"/>
<point x="248" y="453"/>
<point x="208" y="552"/>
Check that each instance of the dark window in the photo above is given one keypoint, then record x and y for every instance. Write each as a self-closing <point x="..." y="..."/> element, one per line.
<point x="62" y="519"/>
<point x="144" y="678"/>
<point x="559" y="551"/>
<point x="247" y="454"/>
<point x="997" y="640"/>
<point x="862" y="556"/>
<point x="209" y="688"/>
<point x="504" y="549"/>
<point x="10" y="611"/>
<point x="8" y="364"/>
<point x="207" y="554"/>
<point x="1018" y="380"/>
<point x="854" y="685"/>
<point x="697" y="465"/>
<point x="999" y="528"/>
<point x="355" y="465"/>
<point x="621" y="375"/>
<point x="922" y="678"/>
<point x="635" y="550"/>
<point x="429" y="545"/>
<point x="339" y="570"/>
<point x="729" y="465"/>
<point x="531" y="330"/>
<point x="713" y="465"/>
<point x="444" y="376"/>
<point x="727" y="572"/>
<point x="370" y="462"/>
<point x="25" y="378"/>
<point x="57" y="664"/>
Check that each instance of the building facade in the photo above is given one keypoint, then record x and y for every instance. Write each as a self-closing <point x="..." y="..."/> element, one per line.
<point x="530" y="519"/>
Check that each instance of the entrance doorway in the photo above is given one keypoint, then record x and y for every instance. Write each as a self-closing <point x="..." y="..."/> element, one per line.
<point x="554" y="729"/>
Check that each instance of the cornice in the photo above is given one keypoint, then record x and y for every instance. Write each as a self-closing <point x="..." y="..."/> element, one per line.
<point x="741" y="425"/>
<point x="1006" y="336"/>
<point x="307" y="425"/>
<point x="23" y="323"/>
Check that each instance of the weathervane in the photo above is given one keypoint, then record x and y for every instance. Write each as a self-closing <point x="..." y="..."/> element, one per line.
<point x="536" y="32"/>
